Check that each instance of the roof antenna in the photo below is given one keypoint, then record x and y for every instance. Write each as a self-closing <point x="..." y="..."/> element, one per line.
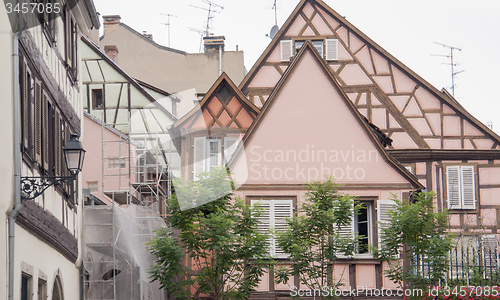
<point x="453" y="65"/>
<point x="275" y="28"/>
<point x="201" y="33"/>
<point x="168" y="24"/>
<point x="210" y="16"/>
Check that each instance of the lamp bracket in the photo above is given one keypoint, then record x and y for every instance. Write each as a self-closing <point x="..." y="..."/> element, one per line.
<point x="32" y="187"/>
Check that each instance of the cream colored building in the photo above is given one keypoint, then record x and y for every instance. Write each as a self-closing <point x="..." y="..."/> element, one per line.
<point x="167" y="68"/>
<point x="41" y="106"/>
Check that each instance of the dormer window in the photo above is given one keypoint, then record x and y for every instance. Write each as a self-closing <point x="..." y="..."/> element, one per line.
<point x="290" y="48"/>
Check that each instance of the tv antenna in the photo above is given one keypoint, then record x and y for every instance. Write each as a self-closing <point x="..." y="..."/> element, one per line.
<point x="212" y="8"/>
<point x="201" y="32"/>
<point x="168" y="25"/>
<point x="275" y="28"/>
<point x="453" y="65"/>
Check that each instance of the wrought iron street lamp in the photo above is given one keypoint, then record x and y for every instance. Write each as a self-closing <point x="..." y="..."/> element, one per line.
<point x="32" y="187"/>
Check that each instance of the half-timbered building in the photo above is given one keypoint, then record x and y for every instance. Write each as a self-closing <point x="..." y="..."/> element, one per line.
<point x="433" y="136"/>
<point x="41" y="109"/>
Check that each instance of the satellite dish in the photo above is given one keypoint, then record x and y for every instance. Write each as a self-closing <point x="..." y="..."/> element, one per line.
<point x="274" y="31"/>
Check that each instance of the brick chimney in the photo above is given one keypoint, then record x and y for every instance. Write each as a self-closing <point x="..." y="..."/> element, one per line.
<point x="112" y="52"/>
<point x="212" y="43"/>
<point x="111" y="23"/>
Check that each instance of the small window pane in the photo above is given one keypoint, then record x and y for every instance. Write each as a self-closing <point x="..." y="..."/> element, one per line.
<point x="97" y="101"/>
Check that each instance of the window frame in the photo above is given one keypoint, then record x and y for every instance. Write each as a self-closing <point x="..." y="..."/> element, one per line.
<point x="370" y="227"/>
<point x="474" y="185"/>
<point x="95" y="94"/>
<point x="225" y="145"/>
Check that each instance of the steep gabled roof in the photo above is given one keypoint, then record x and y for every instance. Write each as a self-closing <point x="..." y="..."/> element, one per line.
<point x="222" y="106"/>
<point x="223" y="80"/>
<point x="280" y="94"/>
<point x="408" y="108"/>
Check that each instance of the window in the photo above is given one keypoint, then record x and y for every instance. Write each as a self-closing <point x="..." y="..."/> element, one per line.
<point x="116" y="163"/>
<point x="92" y="186"/>
<point x="461" y="187"/>
<point x="97" y="100"/>
<point x="363" y="227"/>
<point x="42" y="289"/>
<point x="474" y="251"/>
<point x="290" y="48"/>
<point x="273" y="217"/>
<point x="57" y="291"/>
<point x="208" y="153"/>
<point x="26" y="287"/>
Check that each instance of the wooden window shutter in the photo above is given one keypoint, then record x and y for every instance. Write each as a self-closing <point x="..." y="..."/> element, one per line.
<point x="273" y="217"/>
<point x="230" y="144"/>
<point x="74" y="33"/>
<point x="57" y="144"/>
<point x="468" y="187"/>
<point x="25" y="105"/>
<point x="199" y="151"/>
<point x="346" y="231"/>
<point x="38" y="122"/>
<point x="68" y="36"/>
<point x="490" y="251"/>
<point x="45" y="130"/>
<point x="264" y="225"/>
<point x="383" y="217"/>
<point x="282" y="210"/>
<point x="332" y="49"/>
<point x="286" y="50"/>
<point x="453" y="186"/>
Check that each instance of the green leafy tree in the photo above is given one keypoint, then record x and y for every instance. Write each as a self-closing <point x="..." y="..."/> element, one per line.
<point x="216" y="250"/>
<point x="417" y="233"/>
<point x="314" y="237"/>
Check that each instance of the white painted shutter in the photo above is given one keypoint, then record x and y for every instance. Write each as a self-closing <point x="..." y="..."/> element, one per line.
<point x="468" y="187"/>
<point x="286" y="50"/>
<point x="265" y="221"/>
<point x="332" y="49"/>
<point x="383" y="217"/>
<point x="273" y="216"/>
<point x="283" y="209"/>
<point x="346" y="231"/>
<point x="453" y="186"/>
<point x="490" y="252"/>
<point x="199" y="156"/>
<point x="230" y="144"/>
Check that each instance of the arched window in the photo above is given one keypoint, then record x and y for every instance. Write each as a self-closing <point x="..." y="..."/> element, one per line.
<point x="57" y="290"/>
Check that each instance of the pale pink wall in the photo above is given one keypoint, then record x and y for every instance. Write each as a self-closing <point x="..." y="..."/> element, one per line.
<point x="92" y="142"/>
<point x="308" y="133"/>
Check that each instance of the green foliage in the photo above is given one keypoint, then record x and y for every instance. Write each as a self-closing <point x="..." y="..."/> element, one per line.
<point x="313" y="237"/>
<point x="420" y="234"/>
<point x="227" y="253"/>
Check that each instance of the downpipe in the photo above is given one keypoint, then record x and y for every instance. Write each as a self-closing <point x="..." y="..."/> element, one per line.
<point x="17" y="154"/>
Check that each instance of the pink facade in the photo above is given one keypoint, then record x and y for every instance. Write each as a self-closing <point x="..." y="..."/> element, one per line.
<point x="304" y="98"/>
<point x="307" y="130"/>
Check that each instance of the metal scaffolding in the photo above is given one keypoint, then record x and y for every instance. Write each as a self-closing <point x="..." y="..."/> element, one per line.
<point x="136" y="179"/>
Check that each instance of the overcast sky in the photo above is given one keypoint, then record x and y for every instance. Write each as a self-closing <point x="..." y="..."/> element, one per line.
<point x="406" y="29"/>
